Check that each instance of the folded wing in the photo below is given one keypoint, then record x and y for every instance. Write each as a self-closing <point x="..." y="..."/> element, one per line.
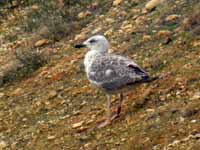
<point x="112" y="72"/>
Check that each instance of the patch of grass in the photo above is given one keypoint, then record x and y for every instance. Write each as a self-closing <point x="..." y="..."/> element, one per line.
<point x="48" y="16"/>
<point x="28" y="59"/>
<point x="171" y="26"/>
<point x="58" y="21"/>
<point x="11" y="37"/>
<point x="191" y="23"/>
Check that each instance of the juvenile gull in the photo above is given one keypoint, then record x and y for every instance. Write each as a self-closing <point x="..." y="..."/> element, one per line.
<point x="110" y="73"/>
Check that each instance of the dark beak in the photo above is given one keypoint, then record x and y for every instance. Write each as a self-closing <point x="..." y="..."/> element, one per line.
<point x="79" y="46"/>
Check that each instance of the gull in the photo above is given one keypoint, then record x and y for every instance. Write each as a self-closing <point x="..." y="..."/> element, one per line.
<point x="110" y="73"/>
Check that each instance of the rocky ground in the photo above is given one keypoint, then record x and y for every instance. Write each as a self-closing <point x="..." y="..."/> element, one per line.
<point x="53" y="106"/>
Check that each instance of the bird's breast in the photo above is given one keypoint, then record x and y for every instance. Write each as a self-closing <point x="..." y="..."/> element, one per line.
<point x="89" y="59"/>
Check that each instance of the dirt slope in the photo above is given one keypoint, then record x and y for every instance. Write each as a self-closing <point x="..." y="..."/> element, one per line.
<point x="55" y="107"/>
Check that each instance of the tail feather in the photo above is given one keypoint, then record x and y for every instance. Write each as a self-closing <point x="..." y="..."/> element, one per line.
<point x="151" y="79"/>
<point x="147" y="79"/>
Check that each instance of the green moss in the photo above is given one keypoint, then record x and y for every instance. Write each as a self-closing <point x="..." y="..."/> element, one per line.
<point x="171" y="26"/>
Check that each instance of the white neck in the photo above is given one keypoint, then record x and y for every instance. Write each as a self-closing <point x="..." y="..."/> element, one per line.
<point x="92" y="54"/>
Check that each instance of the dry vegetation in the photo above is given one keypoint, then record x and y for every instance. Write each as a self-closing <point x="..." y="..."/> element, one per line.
<point x="46" y="101"/>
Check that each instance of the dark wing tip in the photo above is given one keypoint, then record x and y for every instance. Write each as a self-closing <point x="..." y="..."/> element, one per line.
<point x="138" y="70"/>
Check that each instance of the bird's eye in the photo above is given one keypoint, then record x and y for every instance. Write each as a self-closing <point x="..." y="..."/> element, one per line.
<point x="92" y="41"/>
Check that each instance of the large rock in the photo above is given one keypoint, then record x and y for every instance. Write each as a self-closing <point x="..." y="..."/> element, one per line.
<point x="82" y="15"/>
<point x="163" y="33"/>
<point x="41" y="42"/>
<point x="172" y="18"/>
<point x="116" y="2"/>
<point x="153" y="4"/>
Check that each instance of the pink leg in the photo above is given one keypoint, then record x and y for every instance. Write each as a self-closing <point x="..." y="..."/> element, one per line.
<point x="108" y="107"/>
<point x="119" y="107"/>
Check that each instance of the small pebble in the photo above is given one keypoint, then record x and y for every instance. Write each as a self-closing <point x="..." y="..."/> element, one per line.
<point x="51" y="137"/>
<point x="193" y="121"/>
<point x="78" y="124"/>
<point x="1" y="95"/>
<point x="2" y="144"/>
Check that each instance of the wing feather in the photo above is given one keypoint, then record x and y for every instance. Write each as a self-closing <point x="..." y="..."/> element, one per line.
<point x="112" y="72"/>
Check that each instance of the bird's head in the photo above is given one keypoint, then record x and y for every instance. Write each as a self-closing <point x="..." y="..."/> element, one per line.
<point x="95" y="43"/>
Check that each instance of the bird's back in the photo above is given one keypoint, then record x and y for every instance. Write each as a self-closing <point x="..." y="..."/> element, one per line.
<point x="113" y="72"/>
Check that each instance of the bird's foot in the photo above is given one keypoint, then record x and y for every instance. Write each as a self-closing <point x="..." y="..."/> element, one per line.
<point x="103" y="124"/>
<point x="108" y="121"/>
<point x="114" y="116"/>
